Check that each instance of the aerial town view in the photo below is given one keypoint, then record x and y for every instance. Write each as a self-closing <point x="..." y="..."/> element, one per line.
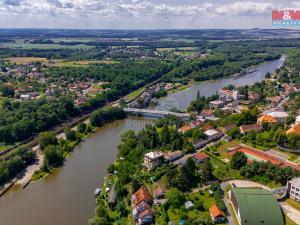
<point x="133" y="112"/>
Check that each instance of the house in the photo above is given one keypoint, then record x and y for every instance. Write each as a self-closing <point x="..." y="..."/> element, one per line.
<point x="216" y="214"/>
<point x="185" y="128"/>
<point x="159" y="192"/>
<point x="25" y="96"/>
<point x="188" y="205"/>
<point x="216" y="104"/>
<point x="200" y="144"/>
<point x="141" y="207"/>
<point x="146" y="217"/>
<point x="172" y="156"/>
<point x="212" y="134"/>
<point x="142" y="195"/>
<point x="293" y="189"/>
<point x="226" y="95"/>
<point x="244" y="129"/>
<point x="253" y="97"/>
<point x="294" y="130"/>
<point x="153" y="160"/>
<point x="207" y="113"/>
<point x="274" y="100"/>
<point x="200" y="157"/>
<point x="279" y="116"/>
<point x="255" y="206"/>
<point x="266" y="119"/>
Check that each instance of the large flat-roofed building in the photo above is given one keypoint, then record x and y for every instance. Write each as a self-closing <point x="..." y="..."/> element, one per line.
<point x="254" y="206"/>
<point x="153" y="160"/>
<point x="294" y="189"/>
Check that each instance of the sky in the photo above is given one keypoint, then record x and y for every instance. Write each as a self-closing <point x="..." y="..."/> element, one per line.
<point x="140" y="14"/>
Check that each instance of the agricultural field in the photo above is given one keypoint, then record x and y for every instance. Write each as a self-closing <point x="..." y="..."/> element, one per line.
<point x="20" y="44"/>
<point x="26" y="60"/>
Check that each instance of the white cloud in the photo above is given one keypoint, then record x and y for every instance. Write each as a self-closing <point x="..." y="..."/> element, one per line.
<point x="135" y="12"/>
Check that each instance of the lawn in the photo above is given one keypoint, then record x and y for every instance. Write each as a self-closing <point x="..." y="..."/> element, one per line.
<point x="135" y="94"/>
<point x="62" y="63"/>
<point x="4" y="147"/>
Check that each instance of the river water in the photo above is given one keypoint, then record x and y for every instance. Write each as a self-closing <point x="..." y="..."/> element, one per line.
<point x="66" y="196"/>
<point x="181" y="100"/>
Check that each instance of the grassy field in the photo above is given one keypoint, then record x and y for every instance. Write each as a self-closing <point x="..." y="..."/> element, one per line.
<point x="135" y="94"/>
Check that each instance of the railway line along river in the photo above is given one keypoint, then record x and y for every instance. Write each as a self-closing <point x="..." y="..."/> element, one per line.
<point x="66" y="196"/>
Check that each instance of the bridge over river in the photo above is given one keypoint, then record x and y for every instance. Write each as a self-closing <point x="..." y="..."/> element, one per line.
<point x="155" y="113"/>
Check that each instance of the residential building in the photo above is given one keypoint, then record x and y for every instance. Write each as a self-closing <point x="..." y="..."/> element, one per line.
<point x="172" y="156"/>
<point x="146" y="217"/>
<point x="294" y="130"/>
<point x="244" y="129"/>
<point x="207" y="113"/>
<point x="255" y="206"/>
<point x="293" y="189"/>
<point x="212" y="134"/>
<point x="266" y="119"/>
<point x="153" y="160"/>
<point x="280" y="116"/>
<point x="216" y="104"/>
<point x="226" y="95"/>
<point x="216" y="214"/>
<point x="200" y="157"/>
<point x="142" y="195"/>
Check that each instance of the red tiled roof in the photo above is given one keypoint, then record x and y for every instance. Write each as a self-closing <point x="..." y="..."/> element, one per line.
<point x="141" y="195"/>
<point x="216" y="212"/>
<point x="200" y="156"/>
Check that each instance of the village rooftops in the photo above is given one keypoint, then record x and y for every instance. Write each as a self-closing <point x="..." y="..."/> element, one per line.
<point x="185" y="128"/>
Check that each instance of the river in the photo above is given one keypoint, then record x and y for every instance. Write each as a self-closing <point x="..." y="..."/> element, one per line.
<point x="66" y="196"/>
<point x="181" y="99"/>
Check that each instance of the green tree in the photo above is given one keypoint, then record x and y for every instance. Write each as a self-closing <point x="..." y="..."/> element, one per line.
<point x="47" y="138"/>
<point x="175" y="197"/>
<point x="238" y="160"/>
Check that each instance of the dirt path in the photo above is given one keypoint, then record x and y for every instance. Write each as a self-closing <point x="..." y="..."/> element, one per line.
<point x="30" y="170"/>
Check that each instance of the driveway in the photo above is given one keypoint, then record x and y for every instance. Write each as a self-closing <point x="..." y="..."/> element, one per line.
<point x="291" y="212"/>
